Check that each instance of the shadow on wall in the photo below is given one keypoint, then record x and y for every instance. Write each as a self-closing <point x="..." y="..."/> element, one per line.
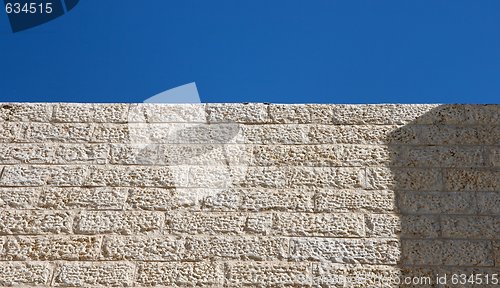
<point x="445" y="168"/>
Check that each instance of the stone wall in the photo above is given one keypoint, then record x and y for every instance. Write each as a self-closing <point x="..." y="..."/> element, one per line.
<point x="248" y="195"/>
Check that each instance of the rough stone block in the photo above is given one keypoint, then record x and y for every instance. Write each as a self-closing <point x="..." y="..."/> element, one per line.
<point x="52" y="248"/>
<point x="22" y="222"/>
<point x="25" y="112"/>
<point x="259" y="224"/>
<point x="118" y="222"/>
<point x="471" y="227"/>
<point x="248" y="113"/>
<point x="342" y="275"/>
<point x="184" y="274"/>
<point x="20" y="273"/>
<point x="275" y="274"/>
<point x="205" y="154"/>
<point x="493" y="153"/>
<point x="141" y="176"/>
<point x="437" y="203"/>
<point x="454" y="135"/>
<point x="481" y="114"/>
<point x="290" y="114"/>
<point x="142" y="248"/>
<point x="447" y="252"/>
<point x="152" y="198"/>
<point x="205" y="223"/>
<point x="345" y="250"/>
<point x="236" y="248"/>
<point x="167" y="113"/>
<point x="55" y="132"/>
<point x="406" y="179"/>
<point x="99" y="198"/>
<point x="111" y="133"/>
<point x="488" y="202"/>
<point x="402" y="226"/>
<point x="43" y="175"/>
<point x="472" y="180"/>
<point x="325" y="177"/>
<point x="133" y="154"/>
<point x="441" y="156"/>
<point x="94" y="274"/>
<point x="10" y="131"/>
<point x="19" y="197"/>
<point x="353" y="134"/>
<point x="106" y="113"/>
<point x="308" y="224"/>
<point x="354" y="201"/>
<point x="320" y="155"/>
<point x="275" y="134"/>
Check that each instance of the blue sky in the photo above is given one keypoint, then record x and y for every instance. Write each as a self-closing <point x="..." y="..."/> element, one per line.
<point x="293" y="51"/>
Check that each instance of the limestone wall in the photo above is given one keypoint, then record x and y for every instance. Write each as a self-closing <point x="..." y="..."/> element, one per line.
<point x="248" y="195"/>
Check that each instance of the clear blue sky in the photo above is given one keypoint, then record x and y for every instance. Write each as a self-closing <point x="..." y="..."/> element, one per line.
<point x="279" y="51"/>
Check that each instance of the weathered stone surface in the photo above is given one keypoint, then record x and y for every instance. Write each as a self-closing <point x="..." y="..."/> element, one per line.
<point x="275" y="134"/>
<point x="447" y="252"/>
<point x="142" y="248"/>
<point x="342" y="275"/>
<point x="481" y="114"/>
<point x="488" y="202"/>
<point x="99" y="198"/>
<point x="25" y="112"/>
<point x="43" y="175"/>
<point x="308" y="224"/>
<point x="472" y="180"/>
<point x="275" y="274"/>
<point x="22" y="273"/>
<point x="441" y="156"/>
<point x="407" y="179"/>
<point x="248" y="113"/>
<point x="107" y="113"/>
<point x="94" y="274"/>
<point x="344" y="250"/>
<point x="201" y="223"/>
<point x="437" y="203"/>
<point x="118" y="222"/>
<point x="180" y="274"/>
<point x="79" y="248"/>
<point x="493" y="156"/>
<point x="402" y="226"/>
<point x="205" y="154"/>
<point x="18" y="197"/>
<point x="141" y="176"/>
<point x="22" y="222"/>
<point x="236" y="248"/>
<point x="354" y="201"/>
<point x="320" y="155"/>
<point x="471" y="227"/>
<point x="32" y="132"/>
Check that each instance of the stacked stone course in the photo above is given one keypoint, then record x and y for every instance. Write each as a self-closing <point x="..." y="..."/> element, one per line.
<point x="317" y="195"/>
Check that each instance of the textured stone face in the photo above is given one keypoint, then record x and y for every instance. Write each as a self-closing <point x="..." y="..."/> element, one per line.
<point x="248" y="195"/>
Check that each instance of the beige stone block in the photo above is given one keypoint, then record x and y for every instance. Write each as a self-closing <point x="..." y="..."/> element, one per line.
<point x="274" y="274"/>
<point x="142" y="248"/>
<point x="290" y="114"/>
<point x="259" y="223"/>
<point x="183" y="274"/>
<point x="406" y="179"/>
<point x="133" y="154"/>
<point x="442" y="156"/>
<point x="356" y="134"/>
<point x="50" y="248"/>
<point x="471" y="227"/>
<point x="205" y="223"/>
<point x="10" y="131"/>
<point x="111" y="133"/>
<point x="246" y="113"/>
<point x="152" y="198"/>
<point x="94" y="274"/>
<point x="383" y="225"/>
<point x="472" y="180"/>
<point x="258" y="200"/>
<point x="22" y="273"/>
<point x="106" y="113"/>
<point x="320" y="155"/>
<point x="215" y="133"/>
<point x="308" y="224"/>
<point x="119" y="222"/>
<point x="142" y="176"/>
<point x="19" y="197"/>
<point x="342" y="275"/>
<point x="253" y="177"/>
<point x="355" y="201"/>
<point x="488" y="202"/>
<point x="446" y="252"/>
<point x="325" y="177"/>
<point x="345" y="250"/>
<point x="402" y="226"/>
<point x="205" y="154"/>
<point x="43" y="175"/>
<point x="99" y="198"/>
<point x="249" y="248"/>
<point x="25" y="112"/>
<point x="167" y="113"/>
<point x="55" y="132"/>
<point x="275" y="134"/>
<point x="455" y="135"/>
<point x="437" y="203"/>
<point x="22" y="222"/>
<point x="482" y="114"/>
